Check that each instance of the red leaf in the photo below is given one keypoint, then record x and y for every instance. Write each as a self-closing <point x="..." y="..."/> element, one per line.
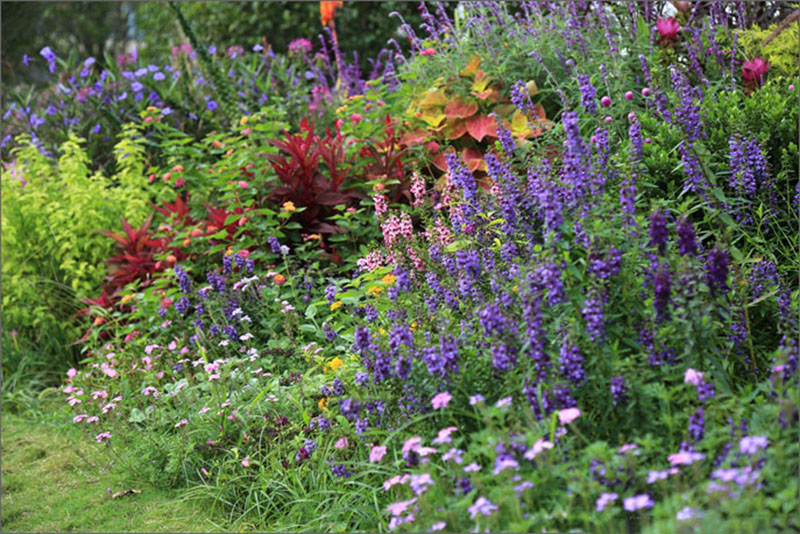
<point x="455" y="129"/>
<point x="473" y="159"/>
<point x="440" y="162"/>
<point x="414" y="137"/>
<point x="481" y="126"/>
<point x="459" y="109"/>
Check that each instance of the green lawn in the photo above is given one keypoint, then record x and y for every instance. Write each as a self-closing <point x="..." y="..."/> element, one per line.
<point x="56" y="480"/>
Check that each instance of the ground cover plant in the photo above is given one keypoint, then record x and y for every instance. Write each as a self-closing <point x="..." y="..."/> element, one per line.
<point x="538" y="275"/>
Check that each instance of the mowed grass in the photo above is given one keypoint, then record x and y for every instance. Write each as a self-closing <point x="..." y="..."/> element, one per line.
<point x="56" y="480"/>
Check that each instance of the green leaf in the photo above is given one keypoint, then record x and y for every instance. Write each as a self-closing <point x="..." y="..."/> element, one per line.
<point x="311" y="311"/>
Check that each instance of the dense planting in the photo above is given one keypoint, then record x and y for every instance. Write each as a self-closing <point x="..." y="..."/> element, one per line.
<point x="539" y="276"/>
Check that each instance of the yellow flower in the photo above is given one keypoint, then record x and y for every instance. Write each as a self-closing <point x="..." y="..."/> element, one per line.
<point x="341" y="109"/>
<point x="336" y="305"/>
<point x="152" y="108"/>
<point x="382" y="331"/>
<point x="336" y="363"/>
<point x="229" y="251"/>
<point x="127" y="298"/>
<point x="389" y="279"/>
<point x="515" y="288"/>
<point x="289" y="206"/>
<point x="413" y="325"/>
<point x="243" y="121"/>
<point x="313" y="236"/>
<point x="375" y="291"/>
<point x="322" y="402"/>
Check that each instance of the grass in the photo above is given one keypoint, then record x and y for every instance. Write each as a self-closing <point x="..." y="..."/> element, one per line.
<point x="56" y="480"/>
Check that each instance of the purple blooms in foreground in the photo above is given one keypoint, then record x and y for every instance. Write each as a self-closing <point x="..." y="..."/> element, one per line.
<point x="717" y="269"/>
<point x="687" y="240"/>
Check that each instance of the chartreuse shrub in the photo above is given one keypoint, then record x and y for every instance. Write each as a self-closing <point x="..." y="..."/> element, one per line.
<point x="53" y="253"/>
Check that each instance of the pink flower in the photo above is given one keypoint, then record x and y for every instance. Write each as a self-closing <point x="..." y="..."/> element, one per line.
<point x="605" y="101"/>
<point x="411" y="444"/>
<point x="399" y="507"/>
<point x="568" y="415"/>
<point x="472" y="468"/>
<point x="72" y="372"/>
<point x="92" y="419"/>
<point x="482" y="506"/>
<point x="397" y="479"/>
<point x="377" y="453"/>
<point x="182" y="422"/>
<point x="428" y="52"/>
<point x="355" y="118"/>
<point x="540" y="445"/>
<point x="637" y="502"/>
<point x="102" y="435"/>
<point x="444" y="435"/>
<point x="341" y="444"/>
<point x="685" y="458"/>
<point x="751" y="444"/>
<point x="505" y="401"/>
<point x="754" y="70"/>
<point x="79" y="418"/>
<point x="668" y="28"/>
<point x="604" y="500"/>
<point x="246" y="461"/>
<point x="439" y="525"/>
<point x="440" y="400"/>
<point x="693" y="377"/>
<point x="242" y="184"/>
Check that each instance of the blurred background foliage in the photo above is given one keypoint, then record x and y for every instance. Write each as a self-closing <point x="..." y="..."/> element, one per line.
<point x="99" y="28"/>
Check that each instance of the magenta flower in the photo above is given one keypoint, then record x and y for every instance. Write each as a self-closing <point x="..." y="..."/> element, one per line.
<point x="102" y="435"/>
<point x="79" y="418"/>
<point x="246" y="461"/>
<point x="440" y="400"/>
<point x="568" y="415"/>
<point x="411" y="444"/>
<point x="397" y="479"/>
<point x="342" y="444"/>
<point x="754" y="70"/>
<point x="182" y="422"/>
<point x="668" y="28"/>
<point x="377" y="453"/>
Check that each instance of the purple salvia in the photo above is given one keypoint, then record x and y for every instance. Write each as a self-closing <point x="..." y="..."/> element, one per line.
<point x="687" y="240"/>
<point x="717" y="269"/>
<point x="588" y="94"/>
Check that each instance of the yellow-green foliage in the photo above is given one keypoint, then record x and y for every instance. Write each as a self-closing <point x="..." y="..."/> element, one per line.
<point x="52" y="251"/>
<point x="781" y="51"/>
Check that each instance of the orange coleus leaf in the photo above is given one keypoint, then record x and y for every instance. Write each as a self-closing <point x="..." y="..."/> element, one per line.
<point x="327" y="9"/>
<point x="472" y="66"/>
<point x="433" y="98"/>
<point x="491" y="94"/>
<point x="481" y="82"/>
<point x="460" y="109"/>
<point x="519" y="125"/>
<point x="433" y="117"/>
<point x="473" y="158"/>
<point x="454" y="129"/>
<point x="414" y="137"/>
<point x="481" y="126"/>
<point x="440" y="162"/>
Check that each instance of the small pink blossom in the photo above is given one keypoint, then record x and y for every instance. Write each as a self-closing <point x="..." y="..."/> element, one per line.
<point x="242" y="184"/>
<point x="397" y="479"/>
<point x="399" y="507"/>
<point x="246" y="461"/>
<point x="101" y="436"/>
<point x="182" y="422"/>
<point x="693" y="377"/>
<point x="92" y="419"/>
<point x="411" y="444"/>
<point x="377" y="453"/>
<point x="505" y="401"/>
<point x="540" y="445"/>
<point x="72" y="372"/>
<point x="428" y="52"/>
<point x="341" y="444"/>
<point x="568" y="415"/>
<point x="79" y="418"/>
<point x="441" y="400"/>
<point x="685" y="458"/>
<point x="444" y="435"/>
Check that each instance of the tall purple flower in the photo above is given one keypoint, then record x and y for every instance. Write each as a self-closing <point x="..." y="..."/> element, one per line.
<point x="658" y="231"/>
<point x="571" y="363"/>
<point x="717" y="269"/>
<point x="618" y="390"/>
<point x="588" y="93"/>
<point x="697" y="425"/>
<point x="687" y="244"/>
<point x="662" y="284"/>
<point x="593" y="315"/>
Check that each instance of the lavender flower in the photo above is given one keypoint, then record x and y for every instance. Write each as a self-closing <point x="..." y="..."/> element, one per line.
<point x="717" y="267"/>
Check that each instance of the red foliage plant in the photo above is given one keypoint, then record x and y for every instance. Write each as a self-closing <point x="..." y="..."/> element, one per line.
<point x="302" y="182"/>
